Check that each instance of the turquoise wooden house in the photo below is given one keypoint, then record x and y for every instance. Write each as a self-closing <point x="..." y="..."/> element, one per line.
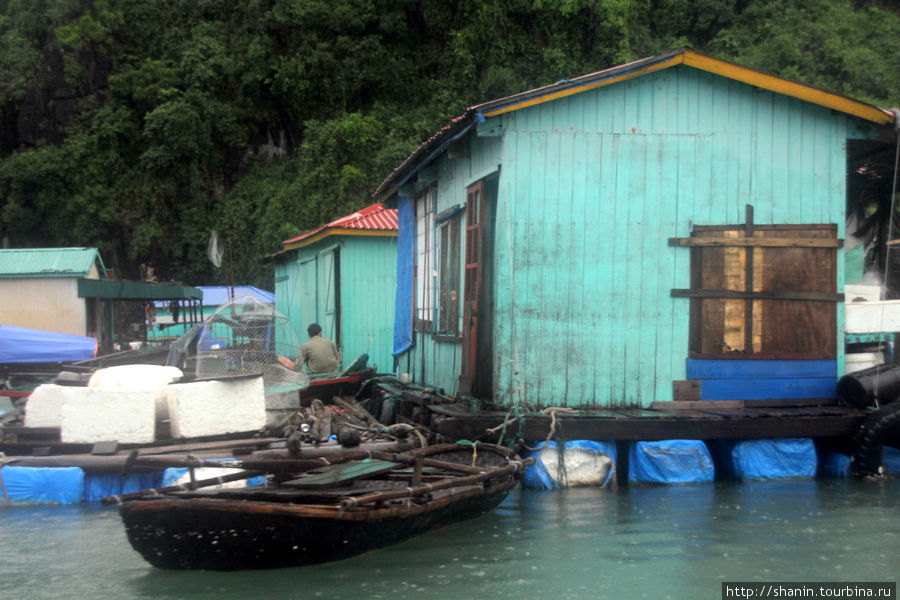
<point x="667" y="229"/>
<point x="342" y="276"/>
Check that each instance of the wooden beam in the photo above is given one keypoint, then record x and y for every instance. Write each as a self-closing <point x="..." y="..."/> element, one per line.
<point x="764" y="295"/>
<point x="662" y="428"/>
<point x="712" y="405"/>
<point x="757" y="242"/>
<point x="748" y="282"/>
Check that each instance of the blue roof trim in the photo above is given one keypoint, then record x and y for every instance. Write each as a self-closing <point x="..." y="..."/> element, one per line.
<point x="453" y="210"/>
<point x="575" y="83"/>
<point x="440" y="149"/>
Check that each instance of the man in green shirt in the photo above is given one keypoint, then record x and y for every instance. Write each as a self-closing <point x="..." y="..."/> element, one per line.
<point x="319" y="354"/>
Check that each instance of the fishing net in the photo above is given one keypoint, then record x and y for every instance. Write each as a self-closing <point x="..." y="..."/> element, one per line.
<point x="247" y="337"/>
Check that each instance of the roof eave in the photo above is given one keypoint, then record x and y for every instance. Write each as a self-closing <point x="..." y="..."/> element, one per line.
<point x="429" y="150"/>
<point x="331" y="231"/>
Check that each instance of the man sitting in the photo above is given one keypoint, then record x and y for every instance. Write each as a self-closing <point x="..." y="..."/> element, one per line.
<point x="318" y="354"/>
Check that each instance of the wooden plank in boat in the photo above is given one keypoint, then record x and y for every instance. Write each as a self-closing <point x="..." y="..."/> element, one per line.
<point x="337" y="474"/>
<point x="281" y="494"/>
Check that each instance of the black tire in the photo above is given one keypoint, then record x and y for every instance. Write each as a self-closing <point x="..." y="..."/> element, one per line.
<point x="868" y="443"/>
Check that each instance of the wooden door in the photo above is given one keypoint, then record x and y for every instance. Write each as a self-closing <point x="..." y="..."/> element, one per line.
<point x="328" y="291"/>
<point x="307" y="292"/>
<point x="475" y="211"/>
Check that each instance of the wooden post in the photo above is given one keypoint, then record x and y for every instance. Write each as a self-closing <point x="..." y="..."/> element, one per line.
<point x="748" y="283"/>
<point x="417" y="471"/>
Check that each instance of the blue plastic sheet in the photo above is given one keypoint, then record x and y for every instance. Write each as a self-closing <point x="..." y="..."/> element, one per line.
<point x="23" y="345"/>
<point x="771" y="459"/>
<point x="101" y="485"/>
<point x="837" y="464"/>
<point x="537" y="475"/>
<point x="43" y="485"/>
<point x="670" y="461"/>
<point x="173" y="474"/>
<point x="406" y="254"/>
<point x="833" y="464"/>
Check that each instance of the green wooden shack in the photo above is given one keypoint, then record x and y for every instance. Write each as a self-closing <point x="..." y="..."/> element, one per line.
<point x="669" y="228"/>
<point x="342" y="276"/>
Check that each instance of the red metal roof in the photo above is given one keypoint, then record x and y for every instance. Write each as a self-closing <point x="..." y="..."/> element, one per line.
<point x="375" y="218"/>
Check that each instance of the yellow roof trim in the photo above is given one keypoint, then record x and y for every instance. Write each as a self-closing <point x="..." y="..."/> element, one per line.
<point x="675" y="60"/>
<point x="725" y="69"/>
<point x="340" y="231"/>
<point x="787" y="88"/>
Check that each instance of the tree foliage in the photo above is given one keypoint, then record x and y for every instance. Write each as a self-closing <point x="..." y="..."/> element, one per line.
<point x="138" y="126"/>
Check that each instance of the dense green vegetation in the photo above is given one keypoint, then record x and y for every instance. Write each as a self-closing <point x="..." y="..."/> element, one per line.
<point x="138" y="126"/>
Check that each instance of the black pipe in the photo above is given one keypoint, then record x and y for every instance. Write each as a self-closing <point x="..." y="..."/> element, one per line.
<point x="860" y="389"/>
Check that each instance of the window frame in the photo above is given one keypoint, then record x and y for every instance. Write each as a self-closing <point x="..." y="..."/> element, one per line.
<point x="448" y="257"/>
<point x="424" y="272"/>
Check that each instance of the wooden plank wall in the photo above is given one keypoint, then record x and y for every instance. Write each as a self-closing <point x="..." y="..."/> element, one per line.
<point x="368" y="272"/>
<point x="49" y="303"/>
<point x="368" y="280"/>
<point x="595" y="184"/>
<point x="436" y="362"/>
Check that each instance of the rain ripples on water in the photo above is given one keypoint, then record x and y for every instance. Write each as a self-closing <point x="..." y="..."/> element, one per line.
<point x="637" y="542"/>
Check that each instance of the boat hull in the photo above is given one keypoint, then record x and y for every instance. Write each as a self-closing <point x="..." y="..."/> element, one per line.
<point x="222" y="535"/>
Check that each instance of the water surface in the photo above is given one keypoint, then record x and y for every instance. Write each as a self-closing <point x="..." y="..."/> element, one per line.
<point x="639" y="542"/>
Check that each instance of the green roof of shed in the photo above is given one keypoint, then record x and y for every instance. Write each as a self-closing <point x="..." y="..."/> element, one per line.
<point x="134" y="290"/>
<point x="49" y="262"/>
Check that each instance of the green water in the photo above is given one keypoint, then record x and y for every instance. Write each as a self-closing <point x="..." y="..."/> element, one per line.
<point x="665" y="542"/>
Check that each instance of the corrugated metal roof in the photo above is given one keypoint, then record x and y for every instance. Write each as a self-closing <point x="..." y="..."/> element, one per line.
<point x="372" y="218"/>
<point x="434" y="145"/>
<point x="49" y="262"/>
<point x="135" y="290"/>
<point x="216" y="295"/>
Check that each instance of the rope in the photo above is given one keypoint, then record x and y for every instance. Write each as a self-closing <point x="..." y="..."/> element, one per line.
<point x="551" y="410"/>
<point x="3" y="485"/>
<point x="389" y="431"/>
<point x="474" y="448"/>
<point x="887" y="253"/>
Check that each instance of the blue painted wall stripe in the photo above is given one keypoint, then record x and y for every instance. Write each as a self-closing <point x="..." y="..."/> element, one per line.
<point x="755" y="369"/>
<point x="767" y="389"/>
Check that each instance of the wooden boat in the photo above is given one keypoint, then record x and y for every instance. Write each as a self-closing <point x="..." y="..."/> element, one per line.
<point x="333" y="512"/>
<point x="343" y="384"/>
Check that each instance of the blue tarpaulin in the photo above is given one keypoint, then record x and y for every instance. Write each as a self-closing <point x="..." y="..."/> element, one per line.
<point x="539" y="476"/>
<point x="173" y="474"/>
<point x="406" y="254"/>
<point x="837" y="464"/>
<point x="834" y="464"/>
<point x="23" y="345"/>
<point x="670" y="461"/>
<point x="101" y="485"/>
<point x="770" y="459"/>
<point x="43" y="485"/>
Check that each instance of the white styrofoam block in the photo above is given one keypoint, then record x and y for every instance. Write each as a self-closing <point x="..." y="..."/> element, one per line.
<point x="44" y="406"/>
<point x="872" y="317"/>
<point x="583" y="467"/>
<point x="854" y="292"/>
<point x="139" y="377"/>
<point x="216" y="407"/>
<point x="135" y="376"/>
<point x="92" y="414"/>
